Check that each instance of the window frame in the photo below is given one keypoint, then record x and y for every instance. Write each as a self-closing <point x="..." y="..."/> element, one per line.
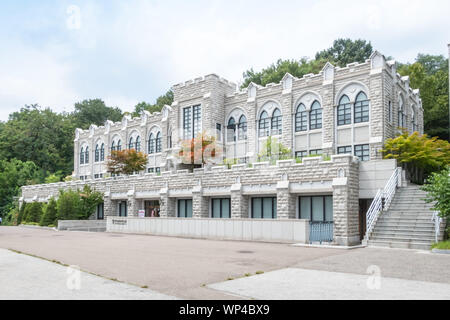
<point x="361" y="109"/>
<point x="301" y="118"/>
<point x="316" y="116"/>
<point x="274" y="207"/>
<point x="364" y="157"/>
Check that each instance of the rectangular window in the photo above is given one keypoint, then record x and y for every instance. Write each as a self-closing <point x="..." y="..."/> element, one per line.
<point x="301" y="154"/>
<point x="123" y="210"/>
<point x="301" y="121"/>
<point x="197" y="120"/>
<point x="390" y="111"/>
<point x="344" y="114"/>
<point x="221" y="208"/>
<point x="151" y="170"/>
<point x="316" y="152"/>
<point x="185" y="208"/>
<point x="187" y="122"/>
<point x="100" y="211"/>
<point x="158" y="170"/>
<point x="96" y="176"/>
<point x="264" y="208"/>
<point x="362" y="151"/>
<point x="316" y="208"/>
<point x="344" y="150"/>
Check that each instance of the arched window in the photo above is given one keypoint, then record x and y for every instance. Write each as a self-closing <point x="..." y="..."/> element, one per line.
<point x="414" y="120"/>
<point x="131" y="143"/>
<point x="276" y="122"/>
<point x="301" y="118"/>
<point x="242" y="128"/>
<point x="344" y="111"/>
<point x="113" y="146"/>
<point x="151" y="144"/>
<point x="97" y="153"/>
<point x="361" y="108"/>
<point x="102" y="152"/>
<point x="401" y="114"/>
<point x="82" y="156"/>
<point x="86" y="155"/>
<point x="158" y="143"/>
<point x="264" y="130"/>
<point x="119" y="145"/>
<point x="138" y="144"/>
<point x="231" y="130"/>
<point x="315" y="116"/>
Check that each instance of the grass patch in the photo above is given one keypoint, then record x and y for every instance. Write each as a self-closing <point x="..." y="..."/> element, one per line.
<point x="259" y="272"/>
<point x="230" y="278"/>
<point x="144" y="287"/>
<point x="443" y="245"/>
<point x="247" y="274"/>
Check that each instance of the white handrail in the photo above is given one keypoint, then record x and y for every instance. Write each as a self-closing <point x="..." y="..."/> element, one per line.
<point x="377" y="204"/>
<point x="437" y="225"/>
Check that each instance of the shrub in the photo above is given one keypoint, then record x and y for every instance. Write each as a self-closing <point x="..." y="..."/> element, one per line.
<point x="77" y="205"/>
<point x="50" y="213"/>
<point x="438" y="189"/>
<point x="33" y="212"/>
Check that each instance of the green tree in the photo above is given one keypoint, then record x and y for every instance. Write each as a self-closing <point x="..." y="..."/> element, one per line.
<point x="34" y="212"/>
<point x="21" y="213"/>
<point x="430" y="75"/>
<point x="69" y="205"/>
<point x="126" y="161"/>
<point x="421" y="154"/>
<point x="345" y="51"/>
<point x="50" y="213"/>
<point x="166" y="99"/>
<point x="273" y="150"/>
<point x="13" y="175"/>
<point x="90" y="199"/>
<point x="94" y="111"/>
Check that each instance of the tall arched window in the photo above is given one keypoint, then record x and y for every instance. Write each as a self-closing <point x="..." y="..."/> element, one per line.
<point x="301" y="118"/>
<point x="119" y="145"/>
<point x="131" y="143"/>
<point x="242" y="128"/>
<point x="315" y="116"/>
<point x="276" y="122"/>
<point x="97" y="153"/>
<point x="86" y="155"/>
<point x="401" y="114"/>
<point x="169" y="139"/>
<point x="231" y="130"/>
<point x="138" y="144"/>
<point x="361" y="108"/>
<point x="344" y="111"/>
<point x="82" y="156"/>
<point x="158" y="143"/>
<point x="102" y="152"/>
<point x="113" y="146"/>
<point x="414" y="120"/>
<point x="263" y="126"/>
<point x="151" y="144"/>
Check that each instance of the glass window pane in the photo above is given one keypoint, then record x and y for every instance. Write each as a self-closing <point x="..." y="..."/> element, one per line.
<point x="225" y="208"/>
<point x="317" y="208"/>
<point x="328" y="208"/>
<point x="305" y="208"/>
<point x="267" y="208"/>
<point x="189" y="208"/>
<point x="216" y="208"/>
<point x="181" y="208"/>
<point x="256" y="208"/>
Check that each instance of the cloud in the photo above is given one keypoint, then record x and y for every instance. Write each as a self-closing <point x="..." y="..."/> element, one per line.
<point x="127" y="52"/>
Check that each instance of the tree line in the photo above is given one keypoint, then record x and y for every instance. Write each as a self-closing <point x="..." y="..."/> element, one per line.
<point x="36" y="144"/>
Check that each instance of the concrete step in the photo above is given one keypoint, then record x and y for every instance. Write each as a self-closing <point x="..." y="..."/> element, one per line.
<point x="398" y="244"/>
<point x="403" y="234"/>
<point x="426" y="240"/>
<point x="91" y="229"/>
<point x="396" y="228"/>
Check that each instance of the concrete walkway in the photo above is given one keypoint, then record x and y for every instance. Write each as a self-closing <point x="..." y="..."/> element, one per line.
<point x="29" y="278"/>
<point x="302" y="284"/>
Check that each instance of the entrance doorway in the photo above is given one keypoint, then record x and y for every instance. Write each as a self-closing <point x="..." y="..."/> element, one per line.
<point x="152" y="208"/>
<point x="123" y="209"/>
<point x="364" y="205"/>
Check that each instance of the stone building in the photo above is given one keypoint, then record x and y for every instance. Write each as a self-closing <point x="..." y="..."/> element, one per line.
<point x="335" y="121"/>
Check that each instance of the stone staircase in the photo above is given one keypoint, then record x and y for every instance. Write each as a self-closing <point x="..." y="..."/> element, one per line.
<point x="407" y="223"/>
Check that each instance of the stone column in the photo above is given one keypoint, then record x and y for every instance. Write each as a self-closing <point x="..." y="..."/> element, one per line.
<point x="167" y="205"/>
<point x="346" y="205"/>
<point x="109" y="207"/>
<point x="239" y="203"/>
<point x="329" y="119"/>
<point x="285" y="201"/>
<point x="200" y="204"/>
<point x="131" y="204"/>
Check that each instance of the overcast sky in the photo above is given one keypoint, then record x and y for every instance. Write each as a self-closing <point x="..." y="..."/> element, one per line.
<point x="56" y="53"/>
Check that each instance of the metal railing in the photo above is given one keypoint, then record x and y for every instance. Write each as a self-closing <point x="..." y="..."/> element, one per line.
<point x="321" y="231"/>
<point x="437" y="225"/>
<point x="377" y="205"/>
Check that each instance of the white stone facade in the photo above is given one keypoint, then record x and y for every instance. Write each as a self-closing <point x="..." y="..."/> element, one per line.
<point x="350" y="110"/>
